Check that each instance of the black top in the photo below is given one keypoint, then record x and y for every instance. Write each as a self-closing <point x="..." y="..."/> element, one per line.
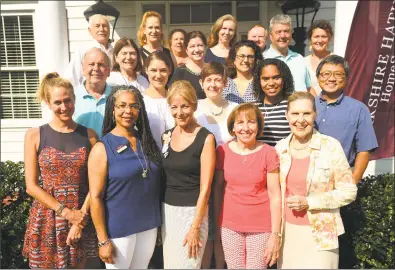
<point x="65" y="142"/>
<point x="182" y="171"/>
<point x="210" y="57"/>
<point x="184" y="73"/>
<point x="144" y="54"/>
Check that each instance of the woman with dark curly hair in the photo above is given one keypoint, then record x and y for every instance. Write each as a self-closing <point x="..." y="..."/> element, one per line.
<point x="125" y="170"/>
<point x="273" y="83"/>
<point x="320" y="35"/>
<point x="241" y="63"/>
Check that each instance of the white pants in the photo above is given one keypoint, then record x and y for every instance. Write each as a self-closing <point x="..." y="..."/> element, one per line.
<point x="134" y="251"/>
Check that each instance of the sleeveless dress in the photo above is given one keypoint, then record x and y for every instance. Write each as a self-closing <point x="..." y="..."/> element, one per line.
<point x="62" y="160"/>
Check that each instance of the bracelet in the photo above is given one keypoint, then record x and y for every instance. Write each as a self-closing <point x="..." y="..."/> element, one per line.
<point x="101" y="244"/>
<point x="278" y="234"/>
<point x="59" y="210"/>
<point x="197" y="229"/>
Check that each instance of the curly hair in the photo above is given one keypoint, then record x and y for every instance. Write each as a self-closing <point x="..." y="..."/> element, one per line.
<point x="285" y="73"/>
<point x="148" y="144"/>
<point x="213" y="37"/>
<point x="140" y="32"/>
<point x="322" y="24"/>
<point x="231" y="69"/>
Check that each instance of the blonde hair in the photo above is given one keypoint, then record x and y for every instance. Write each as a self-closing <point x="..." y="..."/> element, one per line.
<point x="213" y="37"/>
<point x="184" y="89"/>
<point x="299" y="96"/>
<point x="49" y="81"/>
<point x="140" y="32"/>
<point x="251" y="111"/>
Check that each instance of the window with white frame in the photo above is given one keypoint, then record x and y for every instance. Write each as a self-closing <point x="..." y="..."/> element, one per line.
<point x="198" y="12"/>
<point x="19" y="72"/>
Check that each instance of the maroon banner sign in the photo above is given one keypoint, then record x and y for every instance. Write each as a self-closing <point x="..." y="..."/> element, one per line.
<point x="370" y="52"/>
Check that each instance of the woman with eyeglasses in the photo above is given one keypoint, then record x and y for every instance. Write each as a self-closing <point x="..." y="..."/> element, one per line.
<point x="125" y="170"/>
<point x="157" y="67"/>
<point x="195" y="43"/>
<point x="241" y="63"/>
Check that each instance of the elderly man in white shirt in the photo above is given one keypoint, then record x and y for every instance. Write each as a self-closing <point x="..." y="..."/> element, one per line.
<point x="99" y="28"/>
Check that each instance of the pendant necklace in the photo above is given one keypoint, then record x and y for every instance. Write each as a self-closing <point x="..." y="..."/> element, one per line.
<point x="145" y="171"/>
<point x="274" y="106"/>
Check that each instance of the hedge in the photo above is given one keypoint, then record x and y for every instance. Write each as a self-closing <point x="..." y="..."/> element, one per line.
<point x="369" y="221"/>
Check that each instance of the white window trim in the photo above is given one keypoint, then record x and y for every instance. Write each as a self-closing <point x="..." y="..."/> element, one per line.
<point x="20" y="10"/>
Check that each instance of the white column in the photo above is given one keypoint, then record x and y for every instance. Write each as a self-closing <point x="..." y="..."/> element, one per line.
<point x="52" y="42"/>
<point x="344" y="15"/>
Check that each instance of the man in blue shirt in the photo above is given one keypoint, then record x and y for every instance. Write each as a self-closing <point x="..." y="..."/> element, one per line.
<point x="280" y="32"/>
<point x="91" y="96"/>
<point x="342" y="117"/>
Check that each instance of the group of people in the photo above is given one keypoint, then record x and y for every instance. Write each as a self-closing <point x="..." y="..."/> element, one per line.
<point x="210" y="146"/>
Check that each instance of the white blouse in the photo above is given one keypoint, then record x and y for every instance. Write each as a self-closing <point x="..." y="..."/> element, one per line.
<point x="220" y="130"/>
<point x="116" y="78"/>
<point x="159" y="116"/>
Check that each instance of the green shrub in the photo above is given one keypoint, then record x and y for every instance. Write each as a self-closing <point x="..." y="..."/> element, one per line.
<point x="369" y="223"/>
<point x="15" y="205"/>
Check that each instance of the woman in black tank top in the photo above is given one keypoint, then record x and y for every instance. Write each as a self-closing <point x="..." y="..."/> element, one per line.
<point x="188" y="160"/>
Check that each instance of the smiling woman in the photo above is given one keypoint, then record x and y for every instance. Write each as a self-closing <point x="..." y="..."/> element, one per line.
<point x="195" y="43"/>
<point x="127" y="62"/>
<point x="61" y="201"/>
<point x="124" y="180"/>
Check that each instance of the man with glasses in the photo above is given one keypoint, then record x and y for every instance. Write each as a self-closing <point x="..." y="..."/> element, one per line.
<point x="342" y="117"/>
<point x="280" y="32"/>
<point x="348" y="120"/>
<point x="91" y="96"/>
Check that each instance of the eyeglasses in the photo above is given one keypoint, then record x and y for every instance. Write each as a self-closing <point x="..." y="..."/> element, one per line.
<point x="241" y="57"/>
<point x="132" y="107"/>
<point x="327" y="74"/>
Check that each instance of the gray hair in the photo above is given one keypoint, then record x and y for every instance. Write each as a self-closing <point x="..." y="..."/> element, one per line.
<point x="95" y="17"/>
<point x="280" y="19"/>
<point x="106" y="56"/>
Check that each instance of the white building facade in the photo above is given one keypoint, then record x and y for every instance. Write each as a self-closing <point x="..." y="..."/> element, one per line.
<point x="41" y="36"/>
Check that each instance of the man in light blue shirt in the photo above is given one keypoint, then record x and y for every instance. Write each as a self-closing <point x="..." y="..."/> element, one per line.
<point x="91" y="96"/>
<point x="280" y="32"/>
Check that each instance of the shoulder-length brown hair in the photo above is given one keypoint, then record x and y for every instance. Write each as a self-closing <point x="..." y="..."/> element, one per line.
<point x="118" y="47"/>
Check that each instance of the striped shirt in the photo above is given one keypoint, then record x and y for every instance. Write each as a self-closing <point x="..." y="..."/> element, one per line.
<point x="276" y="126"/>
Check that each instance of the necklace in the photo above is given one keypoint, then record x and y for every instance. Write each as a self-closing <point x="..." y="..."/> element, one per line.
<point x="218" y="113"/>
<point x="266" y="112"/>
<point x="145" y="171"/>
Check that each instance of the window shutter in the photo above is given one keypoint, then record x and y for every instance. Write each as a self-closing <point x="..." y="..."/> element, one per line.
<point x="19" y="74"/>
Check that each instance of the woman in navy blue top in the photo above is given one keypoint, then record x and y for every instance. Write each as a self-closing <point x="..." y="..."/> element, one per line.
<point x="125" y="170"/>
